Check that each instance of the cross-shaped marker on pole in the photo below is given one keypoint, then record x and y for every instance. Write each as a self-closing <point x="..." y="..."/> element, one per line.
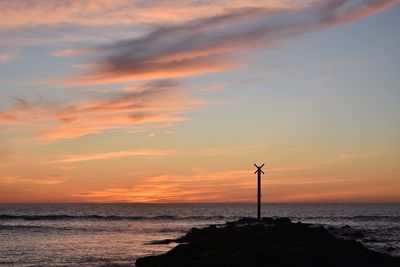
<point x="259" y="171"/>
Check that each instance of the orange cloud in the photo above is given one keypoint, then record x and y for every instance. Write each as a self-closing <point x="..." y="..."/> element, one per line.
<point x="201" y="186"/>
<point x="104" y="73"/>
<point x="282" y="182"/>
<point x="34" y="13"/>
<point x="159" y="102"/>
<point x="11" y="180"/>
<point x="110" y="155"/>
<point x="204" y="186"/>
<point x="63" y="23"/>
<point x="232" y="186"/>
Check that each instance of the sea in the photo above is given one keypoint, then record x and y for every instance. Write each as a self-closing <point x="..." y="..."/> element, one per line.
<point x="117" y="234"/>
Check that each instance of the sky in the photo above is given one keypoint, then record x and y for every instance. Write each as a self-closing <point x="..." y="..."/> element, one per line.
<point x="174" y="101"/>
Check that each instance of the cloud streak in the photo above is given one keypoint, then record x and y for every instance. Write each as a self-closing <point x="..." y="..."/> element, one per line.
<point x="202" y="186"/>
<point x="216" y="186"/>
<point x="110" y="155"/>
<point x="211" y="44"/>
<point x="33" y="13"/>
<point x="154" y="103"/>
<point x="13" y="180"/>
<point x="67" y="22"/>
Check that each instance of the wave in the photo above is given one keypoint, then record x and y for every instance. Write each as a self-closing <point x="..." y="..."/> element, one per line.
<point x="18" y="227"/>
<point x="62" y="217"/>
<point x="362" y="218"/>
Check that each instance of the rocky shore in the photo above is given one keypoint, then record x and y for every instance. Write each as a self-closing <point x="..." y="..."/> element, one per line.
<point x="273" y="242"/>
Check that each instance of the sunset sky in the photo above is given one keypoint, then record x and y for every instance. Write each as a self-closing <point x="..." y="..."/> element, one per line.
<point x="173" y="101"/>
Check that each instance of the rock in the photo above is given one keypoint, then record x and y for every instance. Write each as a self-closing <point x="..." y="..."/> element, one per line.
<point x="356" y="234"/>
<point x="246" y="220"/>
<point x="346" y="232"/>
<point x="273" y="242"/>
<point x="282" y="221"/>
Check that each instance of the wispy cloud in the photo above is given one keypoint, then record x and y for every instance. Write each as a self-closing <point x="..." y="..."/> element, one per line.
<point x="200" y="186"/>
<point x="210" y="44"/>
<point x="219" y="186"/>
<point x="33" y="13"/>
<point x="12" y="180"/>
<point x="110" y="155"/>
<point x="211" y="186"/>
<point x="27" y="22"/>
<point x="158" y="102"/>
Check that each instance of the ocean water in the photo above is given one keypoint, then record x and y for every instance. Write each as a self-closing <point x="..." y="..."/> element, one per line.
<point x="117" y="234"/>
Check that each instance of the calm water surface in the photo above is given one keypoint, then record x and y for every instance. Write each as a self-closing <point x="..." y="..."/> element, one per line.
<point x="117" y="234"/>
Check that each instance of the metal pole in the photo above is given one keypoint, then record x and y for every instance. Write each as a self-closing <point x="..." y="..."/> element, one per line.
<point x="259" y="172"/>
<point x="259" y="195"/>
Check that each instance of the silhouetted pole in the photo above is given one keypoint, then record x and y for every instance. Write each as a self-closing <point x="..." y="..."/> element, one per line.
<point x="259" y="171"/>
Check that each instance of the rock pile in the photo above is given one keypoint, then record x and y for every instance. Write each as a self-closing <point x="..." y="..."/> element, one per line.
<point x="273" y="242"/>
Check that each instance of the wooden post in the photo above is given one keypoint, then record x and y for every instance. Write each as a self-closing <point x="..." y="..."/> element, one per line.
<point x="259" y="171"/>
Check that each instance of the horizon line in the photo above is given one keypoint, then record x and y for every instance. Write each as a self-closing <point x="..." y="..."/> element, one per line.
<point x="209" y="203"/>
